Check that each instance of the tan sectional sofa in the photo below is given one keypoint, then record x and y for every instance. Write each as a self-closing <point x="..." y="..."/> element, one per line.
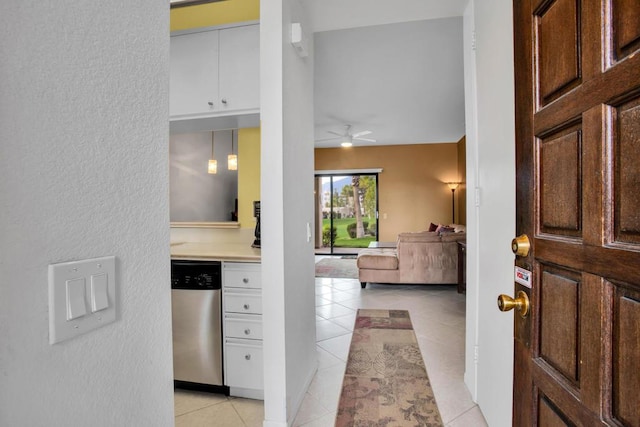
<point x="420" y="258"/>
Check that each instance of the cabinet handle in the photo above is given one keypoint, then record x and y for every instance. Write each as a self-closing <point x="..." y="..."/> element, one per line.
<point x="246" y="306"/>
<point x="247" y="331"/>
<point x="224" y="101"/>
<point x="210" y="104"/>
<point x="247" y="357"/>
<point x="245" y="280"/>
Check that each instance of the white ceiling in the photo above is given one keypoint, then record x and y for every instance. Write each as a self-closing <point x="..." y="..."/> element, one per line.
<point x="330" y="15"/>
<point x="403" y="81"/>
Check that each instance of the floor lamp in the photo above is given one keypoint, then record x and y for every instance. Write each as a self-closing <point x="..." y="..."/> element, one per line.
<point x="453" y="186"/>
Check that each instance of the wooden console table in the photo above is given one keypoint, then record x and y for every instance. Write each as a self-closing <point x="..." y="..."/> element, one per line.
<point x="462" y="267"/>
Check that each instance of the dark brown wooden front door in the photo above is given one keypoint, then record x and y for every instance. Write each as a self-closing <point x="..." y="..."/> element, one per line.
<point x="577" y="73"/>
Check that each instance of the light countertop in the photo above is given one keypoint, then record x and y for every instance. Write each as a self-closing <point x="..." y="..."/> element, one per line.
<point x="213" y="244"/>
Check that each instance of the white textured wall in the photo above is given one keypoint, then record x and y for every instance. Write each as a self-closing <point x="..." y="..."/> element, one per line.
<point x="471" y="119"/>
<point x="491" y="166"/>
<point x="84" y="163"/>
<point x="286" y="96"/>
<point x="299" y="212"/>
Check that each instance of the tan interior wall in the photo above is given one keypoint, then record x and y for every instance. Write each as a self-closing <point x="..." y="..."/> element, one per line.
<point x="461" y="196"/>
<point x="412" y="189"/>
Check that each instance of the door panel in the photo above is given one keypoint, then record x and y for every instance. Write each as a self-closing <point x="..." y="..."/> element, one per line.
<point x="626" y="357"/>
<point x="549" y="414"/>
<point x="558" y="46"/>
<point x="559" y="323"/>
<point x="627" y="172"/>
<point x="626" y="27"/>
<point x="578" y="199"/>
<point x="560" y="176"/>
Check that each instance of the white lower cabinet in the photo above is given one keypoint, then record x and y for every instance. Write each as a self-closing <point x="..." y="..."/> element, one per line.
<point x="242" y="307"/>
<point x="244" y="364"/>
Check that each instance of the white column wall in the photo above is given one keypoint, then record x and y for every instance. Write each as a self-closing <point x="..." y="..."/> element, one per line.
<point x="287" y="210"/>
<point x="471" y="125"/>
<point x="491" y="164"/>
<point x="84" y="159"/>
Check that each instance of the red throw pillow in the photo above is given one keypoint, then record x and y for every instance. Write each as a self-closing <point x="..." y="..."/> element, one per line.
<point x="433" y="227"/>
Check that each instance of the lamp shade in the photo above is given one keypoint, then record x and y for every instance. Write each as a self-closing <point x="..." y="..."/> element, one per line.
<point x="232" y="162"/>
<point x="213" y="163"/>
<point x="232" y="159"/>
<point x="453" y="185"/>
<point x="213" y="166"/>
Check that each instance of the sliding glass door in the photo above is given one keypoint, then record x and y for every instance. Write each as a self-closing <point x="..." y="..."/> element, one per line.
<point x="346" y="212"/>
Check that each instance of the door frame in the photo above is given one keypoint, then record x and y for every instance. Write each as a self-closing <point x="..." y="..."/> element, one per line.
<point x="333" y="173"/>
<point x="490" y="128"/>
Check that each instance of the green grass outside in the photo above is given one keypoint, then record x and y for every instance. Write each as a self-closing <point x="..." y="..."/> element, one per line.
<point x="342" y="237"/>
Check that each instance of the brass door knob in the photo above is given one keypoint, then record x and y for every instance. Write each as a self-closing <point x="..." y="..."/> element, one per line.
<point x="521" y="303"/>
<point x="521" y="245"/>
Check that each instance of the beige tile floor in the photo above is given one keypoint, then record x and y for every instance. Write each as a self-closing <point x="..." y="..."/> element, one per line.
<point x="438" y="316"/>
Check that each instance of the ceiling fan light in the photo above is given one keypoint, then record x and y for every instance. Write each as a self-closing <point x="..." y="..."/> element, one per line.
<point x="346" y="143"/>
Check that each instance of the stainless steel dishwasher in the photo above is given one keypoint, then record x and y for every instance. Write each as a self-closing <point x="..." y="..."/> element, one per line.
<point x="196" y="305"/>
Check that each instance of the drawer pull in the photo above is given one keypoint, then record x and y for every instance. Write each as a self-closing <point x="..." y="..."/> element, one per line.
<point x="246" y="306"/>
<point x="245" y="280"/>
<point x="247" y="357"/>
<point x="247" y="331"/>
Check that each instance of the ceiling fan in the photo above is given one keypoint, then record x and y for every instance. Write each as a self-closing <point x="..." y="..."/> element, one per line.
<point x="347" y="137"/>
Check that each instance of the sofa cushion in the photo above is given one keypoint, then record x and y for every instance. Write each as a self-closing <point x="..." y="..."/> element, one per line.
<point x="454" y="237"/>
<point x="378" y="259"/>
<point x="445" y="229"/>
<point x="458" y="228"/>
<point x="421" y="237"/>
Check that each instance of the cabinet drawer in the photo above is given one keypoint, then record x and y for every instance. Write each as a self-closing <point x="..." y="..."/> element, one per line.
<point x="242" y="276"/>
<point x="244" y="364"/>
<point x="237" y="302"/>
<point x="243" y="326"/>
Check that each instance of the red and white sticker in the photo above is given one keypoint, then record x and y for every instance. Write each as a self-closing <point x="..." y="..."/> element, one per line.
<point x="523" y="277"/>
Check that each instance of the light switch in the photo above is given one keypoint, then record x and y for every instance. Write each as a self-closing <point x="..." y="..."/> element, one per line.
<point x="76" y="304"/>
<point x="99" y="295"/>
<point x="82" y="297"/>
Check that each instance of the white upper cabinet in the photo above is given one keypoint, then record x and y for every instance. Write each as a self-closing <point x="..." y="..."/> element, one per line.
<point x="240" y="68"/>
<point x="215" y="72"/>
<point x="194" y="73"/>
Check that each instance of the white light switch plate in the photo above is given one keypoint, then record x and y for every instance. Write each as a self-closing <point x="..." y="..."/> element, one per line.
<point x="66" y="297"/>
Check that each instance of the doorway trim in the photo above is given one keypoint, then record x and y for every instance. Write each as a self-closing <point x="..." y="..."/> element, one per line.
<point x="348" y="171"/>
<point x="318" y="216"/>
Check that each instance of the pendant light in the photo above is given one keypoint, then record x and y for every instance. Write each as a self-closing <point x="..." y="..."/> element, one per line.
<point x="213" y="163"/>
<point x="232" y="159"/>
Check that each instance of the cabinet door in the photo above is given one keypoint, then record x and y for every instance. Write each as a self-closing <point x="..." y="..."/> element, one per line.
<point x="242" y="275"/>
<point x="237" y="301"/>
<point x="194" y="73"/>
<point x="244" y="364"/>
<point x="247" y="326"/>
<point x="240" y="68"/>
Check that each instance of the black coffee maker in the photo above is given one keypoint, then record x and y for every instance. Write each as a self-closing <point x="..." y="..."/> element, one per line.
<point x="256" y="233"/>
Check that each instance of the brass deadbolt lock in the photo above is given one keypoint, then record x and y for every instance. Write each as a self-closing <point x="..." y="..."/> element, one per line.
<point x="521" y="303"/>
<point x="521" y="245"/>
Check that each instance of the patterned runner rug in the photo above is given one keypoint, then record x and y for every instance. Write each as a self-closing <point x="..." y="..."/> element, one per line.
<point x="386" y="383"/>
<point x="337" y="268"/>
